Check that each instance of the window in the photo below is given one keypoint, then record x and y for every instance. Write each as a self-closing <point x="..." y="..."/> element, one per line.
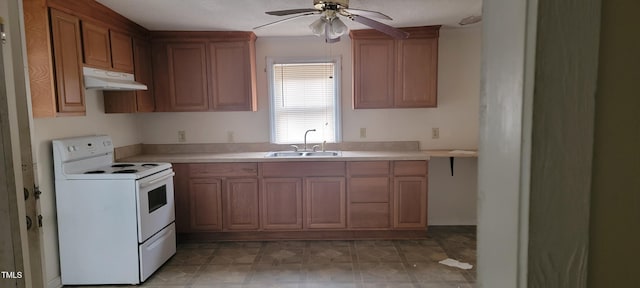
<point x="303" y="96"/>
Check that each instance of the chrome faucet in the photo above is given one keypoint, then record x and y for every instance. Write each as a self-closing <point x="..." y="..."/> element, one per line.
<point x="305" y="138"/>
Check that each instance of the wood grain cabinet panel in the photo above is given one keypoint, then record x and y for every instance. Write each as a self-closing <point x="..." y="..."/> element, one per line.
<point x="410" y="202"/>
<point x="416" y="82"/>
<point x="240" y="209"/>
<point x="187" y="73"/>
<point x="390" y="73"/>
<point x="325" y="203"/>
<point x="121" y="51"/>
<point x="67" y="56"/>
<point x="145" y="101"/>
<point x="281" y="204"/>
<point x="369" y="216"/>
<point x="205" y="204"/>
<point x="96" y="45"/>
<point x="231" y="85"/>
<point x="181" y="195"/>
<point x="139" y="100"/>
<point x="374" y="73"/>
<point x="205" y="71"/>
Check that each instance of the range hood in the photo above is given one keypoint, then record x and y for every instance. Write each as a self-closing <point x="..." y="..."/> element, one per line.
<point x="109" y="80"/>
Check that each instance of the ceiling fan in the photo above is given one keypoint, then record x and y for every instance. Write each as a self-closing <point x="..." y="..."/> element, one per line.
<point x="330" y="24"/>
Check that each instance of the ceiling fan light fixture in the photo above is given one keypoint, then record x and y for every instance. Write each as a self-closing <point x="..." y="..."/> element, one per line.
<point x="317" y="27"/>
<point x="336" y="28"/>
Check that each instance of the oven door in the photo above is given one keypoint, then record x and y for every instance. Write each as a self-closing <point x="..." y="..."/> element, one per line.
<point x="155" y="203"/>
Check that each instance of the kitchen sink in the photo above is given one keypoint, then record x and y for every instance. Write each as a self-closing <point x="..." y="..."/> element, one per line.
<point x="284" y="154"/>
<point x="295" y="154"/>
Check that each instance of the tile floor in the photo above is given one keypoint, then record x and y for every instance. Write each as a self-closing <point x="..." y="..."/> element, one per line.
<point x="362" y="264"/>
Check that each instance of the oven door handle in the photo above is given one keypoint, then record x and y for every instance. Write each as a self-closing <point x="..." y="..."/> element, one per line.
<point x="165" y="177"/>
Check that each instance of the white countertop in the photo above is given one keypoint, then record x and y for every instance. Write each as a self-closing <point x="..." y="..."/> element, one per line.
<point x="260" y="156"/>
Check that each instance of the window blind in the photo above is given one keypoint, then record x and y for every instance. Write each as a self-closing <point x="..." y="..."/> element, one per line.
<point x="304" y="97"/>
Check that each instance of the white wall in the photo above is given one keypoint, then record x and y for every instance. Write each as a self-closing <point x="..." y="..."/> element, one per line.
<point x="453" y="199"/>
<point x="456" y="115"/>
<point x="122" y="128"/>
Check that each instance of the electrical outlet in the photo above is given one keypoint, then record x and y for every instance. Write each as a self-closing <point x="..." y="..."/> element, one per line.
<point x="182" y="136"/>
<point x="363" y="132"/>
<point x="435" y="133"/>
<point x="230" y="137"/>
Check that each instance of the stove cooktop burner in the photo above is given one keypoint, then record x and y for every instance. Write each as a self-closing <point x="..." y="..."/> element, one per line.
<point x="125" y="171"/>
<point x="122" y="165"/>
<point x="149" y="165"/>
<point x="94" y="172"/>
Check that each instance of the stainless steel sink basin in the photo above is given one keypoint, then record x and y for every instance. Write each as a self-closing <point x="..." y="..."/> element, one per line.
<point x="295" y="154"/>
<point x="284" y="154"/>
<point x="322" y="154"/>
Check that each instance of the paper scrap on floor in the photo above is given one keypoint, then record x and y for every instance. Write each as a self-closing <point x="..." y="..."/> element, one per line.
<point x="456" y="263"/>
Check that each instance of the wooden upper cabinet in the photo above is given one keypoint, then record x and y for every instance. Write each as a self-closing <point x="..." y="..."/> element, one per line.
<point x="187" y="77"/>
<point x="96" y="45"/>
<point x="374" y="73"/>
<point x="67" y="58"/>
<point x="416" y="84"/>
<point x="107" y="49"/>
<point x="231" y="78"/>
<point x="139" y="100"/>
<point x="390" y="73"/>
<point x="204" y="71"/>
<point x="121" y="51"/>
<point x="143" y="74"/>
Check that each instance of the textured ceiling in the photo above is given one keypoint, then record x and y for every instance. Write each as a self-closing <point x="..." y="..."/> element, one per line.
<point x="243" y="15"/>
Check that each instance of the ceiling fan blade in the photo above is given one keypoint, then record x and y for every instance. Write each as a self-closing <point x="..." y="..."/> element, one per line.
<point x="384" y="28"/>
<point x="287" y="19"/>
<point x="291" y="11"/>
<point x="366" y="13"/>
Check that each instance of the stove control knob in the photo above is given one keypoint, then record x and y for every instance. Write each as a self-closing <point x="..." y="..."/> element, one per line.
<point x="70" y="148"/>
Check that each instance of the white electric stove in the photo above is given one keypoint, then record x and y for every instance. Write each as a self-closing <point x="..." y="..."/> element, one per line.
<point x="115" y="220"/>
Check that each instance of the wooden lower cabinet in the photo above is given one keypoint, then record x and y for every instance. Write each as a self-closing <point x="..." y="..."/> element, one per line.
<point x="281" y="203"/>
<point x="410" y="202"/>
<point x="325" y="203"/>
<point x="205" y="197"/>
<point x="369" y="203"/>
<point x="240" y="205"/>
<point x="309" y="197"/>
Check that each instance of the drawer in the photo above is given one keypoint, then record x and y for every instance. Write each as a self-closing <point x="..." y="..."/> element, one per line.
<point x="223" y="170"/>
<point x="369" y="190"/>
<point x="374" y="215"/>
<point x="410" y="168"/>
<point x="368" y="168"/>
<point x="303" y="169"/>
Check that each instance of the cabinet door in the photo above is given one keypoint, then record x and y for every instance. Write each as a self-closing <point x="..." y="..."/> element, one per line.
<point x="96" y="47"/>
<point x="187" y="73"/>
<point x="240" y="201"/>
<point x="281" y="204"/>
<point x="416" y="83"/>
<point x="206" y="204"/>
<point x="374" y="73"/>
<point x="325" y="203"/>
<point x="121" y="51"/>
<point x="67" y="56"/>
<point x="143" y="74"/>
<point x="231" y="86"/>
<point x="410" y="202"/>
<point x="369" y="205"/>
